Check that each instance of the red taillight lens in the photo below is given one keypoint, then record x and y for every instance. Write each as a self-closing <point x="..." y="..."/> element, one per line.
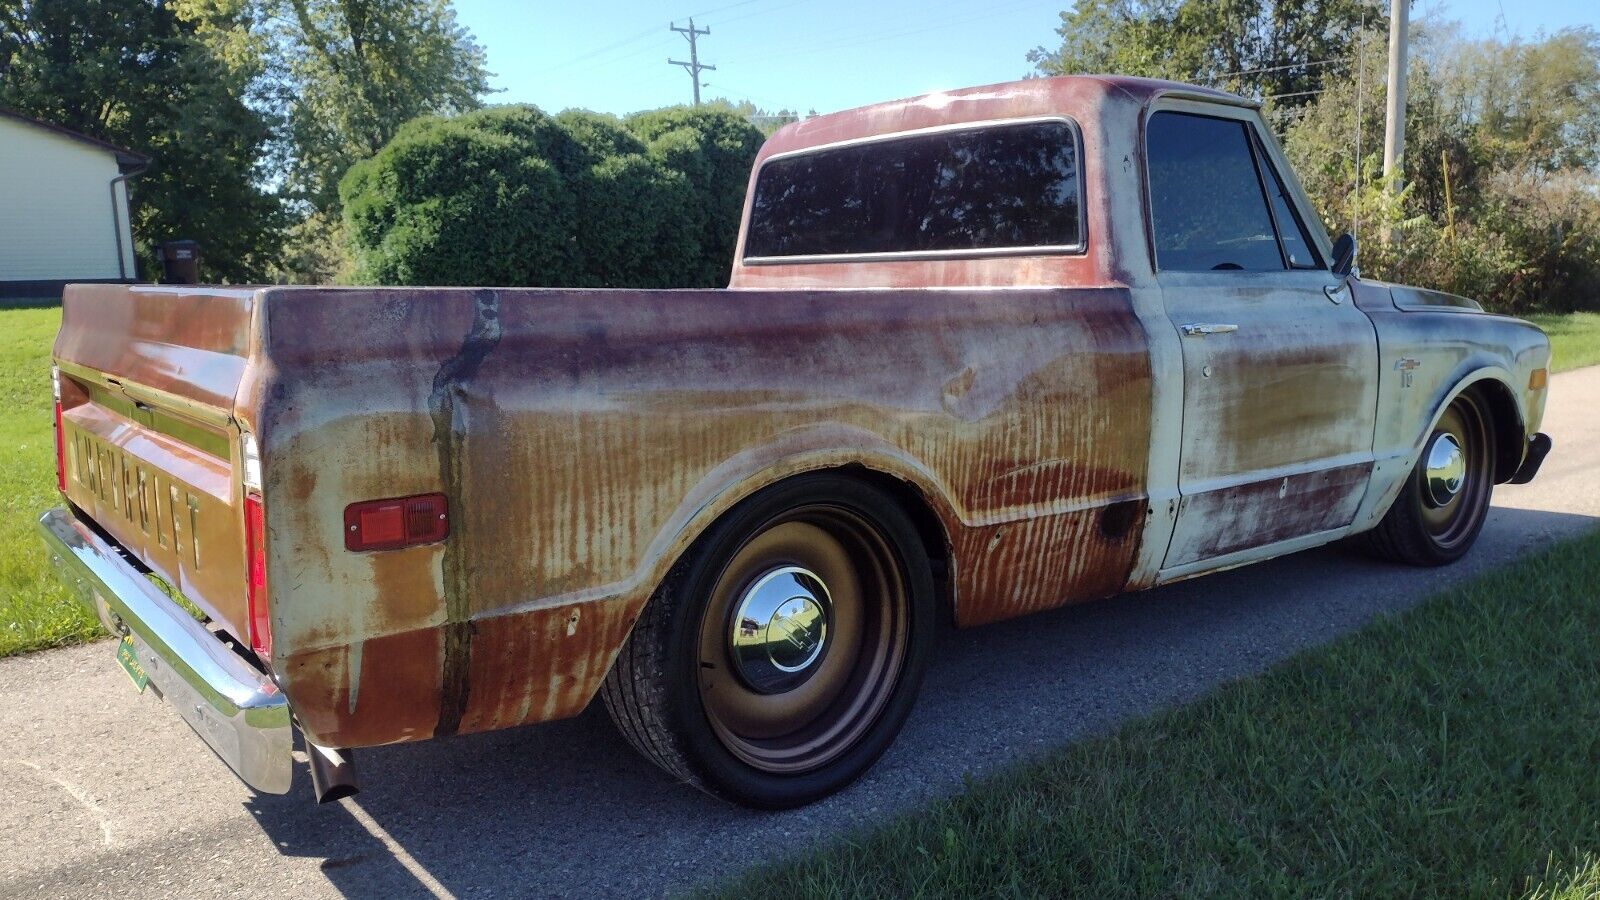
<point x="61" y="453"/>
<point x="396" y="522"/>
<point x="61" y="443"/>
<point x="255" y="545"/>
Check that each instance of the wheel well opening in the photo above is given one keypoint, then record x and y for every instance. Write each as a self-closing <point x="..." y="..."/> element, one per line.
<point x="1505" y="422"/>
<point x="929" y="527"/>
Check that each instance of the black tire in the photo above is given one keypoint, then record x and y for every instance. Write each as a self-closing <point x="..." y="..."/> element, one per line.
<point x="1418" y="529"/>
<point x="702" y="720"/>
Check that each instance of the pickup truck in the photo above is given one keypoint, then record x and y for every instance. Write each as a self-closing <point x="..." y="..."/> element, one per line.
<point x="982" y="353"/>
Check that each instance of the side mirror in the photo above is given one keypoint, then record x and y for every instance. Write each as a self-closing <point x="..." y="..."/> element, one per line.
<point x="1344" y="254"/>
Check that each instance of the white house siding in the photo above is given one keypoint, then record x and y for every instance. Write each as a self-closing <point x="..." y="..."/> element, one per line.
<point x="56" y="215"/>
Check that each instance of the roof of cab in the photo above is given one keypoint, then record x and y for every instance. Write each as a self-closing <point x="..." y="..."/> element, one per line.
<point x="1011" y="99"/>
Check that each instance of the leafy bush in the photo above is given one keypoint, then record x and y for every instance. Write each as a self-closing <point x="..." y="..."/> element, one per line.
<point x="713" y="149"/>
<point x="1502" y="200"/>
<point x="512" y="196"/>
<point x="1549" y="227"/>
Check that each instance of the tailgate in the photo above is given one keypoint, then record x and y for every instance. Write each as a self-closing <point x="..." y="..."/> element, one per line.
<point x="148" y="378"/>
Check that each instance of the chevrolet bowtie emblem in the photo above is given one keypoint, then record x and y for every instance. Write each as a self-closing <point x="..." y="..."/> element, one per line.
<point x="1406" y="366"/>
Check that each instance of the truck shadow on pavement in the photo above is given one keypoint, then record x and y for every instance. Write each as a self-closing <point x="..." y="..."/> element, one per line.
<point x="567" y="808"/>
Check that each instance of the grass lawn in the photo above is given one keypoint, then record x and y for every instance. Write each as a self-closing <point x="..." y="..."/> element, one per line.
<point x="35" y="610"/>
<point x="1574" y="339"/>
<point x="1453" y="750"/>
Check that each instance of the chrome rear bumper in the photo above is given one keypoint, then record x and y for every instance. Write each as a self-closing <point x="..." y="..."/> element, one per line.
<point x="238" y="711"/>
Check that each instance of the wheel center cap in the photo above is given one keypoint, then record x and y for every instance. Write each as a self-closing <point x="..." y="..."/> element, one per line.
<point x="1446" y="470"/>
<point x="794" y="635"/>
<point x="780" y="629"/>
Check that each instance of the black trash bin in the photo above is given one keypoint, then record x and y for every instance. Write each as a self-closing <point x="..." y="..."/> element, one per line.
<point x="180" y="262"/>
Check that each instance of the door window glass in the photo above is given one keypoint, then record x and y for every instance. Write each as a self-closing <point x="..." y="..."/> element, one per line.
<point x="1207" y="206"/>
<point x="1296" y="240"/>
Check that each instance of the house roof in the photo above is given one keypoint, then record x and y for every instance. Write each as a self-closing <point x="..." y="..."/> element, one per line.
<point x="128" y="161"/>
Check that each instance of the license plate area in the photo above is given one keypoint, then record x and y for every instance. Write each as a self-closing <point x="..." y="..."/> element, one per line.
<point x="128" y="660"/>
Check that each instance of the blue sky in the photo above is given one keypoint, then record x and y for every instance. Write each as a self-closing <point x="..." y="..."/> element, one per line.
<point x="610" y="55"/>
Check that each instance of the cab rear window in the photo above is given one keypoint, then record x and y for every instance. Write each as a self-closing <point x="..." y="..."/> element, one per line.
<point x="1007" y="187"/>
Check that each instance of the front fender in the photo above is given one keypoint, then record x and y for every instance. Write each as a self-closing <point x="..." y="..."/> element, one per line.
<point x="1426" y="360"/>
<point x="1472" y="375"/>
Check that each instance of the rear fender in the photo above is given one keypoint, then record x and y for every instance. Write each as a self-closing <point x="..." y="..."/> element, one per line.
<point x="742" y="476"/>
<point x="823" y="447"/>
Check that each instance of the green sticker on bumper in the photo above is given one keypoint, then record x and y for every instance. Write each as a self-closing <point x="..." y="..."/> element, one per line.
<point x="128" y="659"/>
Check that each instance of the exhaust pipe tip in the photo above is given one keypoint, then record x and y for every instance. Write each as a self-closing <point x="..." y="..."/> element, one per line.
<point x="333" y="773"/>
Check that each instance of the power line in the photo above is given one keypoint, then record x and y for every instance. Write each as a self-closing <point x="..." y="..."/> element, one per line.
<point x="759" y="12"/>
<point x="759" y="101"/>
<point x="694" y="66"/>
<point x="1321" y="62"/>
<point x="1297" y="94"/>
<point x="852" y="27"/>
<point x="598" y="51"/>
<point x="728" y="90"/>
<point x="589" y="58"/>
<point x="858" y="38"/>
<point x="711" y="12"/>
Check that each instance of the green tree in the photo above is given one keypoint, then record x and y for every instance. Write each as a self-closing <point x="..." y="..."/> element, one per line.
<point x="352" y="72"/>
<point x="1531" y="101"/>
<point x="1283" y="48"/>
<point x="1321" y="137"/>
<point x="1500" y="200"/>
<point x="143" y="74"/>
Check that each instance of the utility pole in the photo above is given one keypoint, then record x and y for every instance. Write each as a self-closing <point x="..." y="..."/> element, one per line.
<point x="694" y="65"/>
<point x="1394" y="128"/>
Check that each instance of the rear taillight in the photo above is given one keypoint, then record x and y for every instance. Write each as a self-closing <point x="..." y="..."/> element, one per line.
<point x="396" y="522"/>
<point x="61" y="443"/>
<point x="258" y="621"/>
<point x="255" y="534"/>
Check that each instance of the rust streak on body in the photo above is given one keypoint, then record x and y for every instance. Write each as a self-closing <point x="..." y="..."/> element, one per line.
<point x="447" y="403"/>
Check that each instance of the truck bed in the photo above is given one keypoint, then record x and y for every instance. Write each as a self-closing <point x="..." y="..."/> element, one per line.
<point x="582" y="437"/>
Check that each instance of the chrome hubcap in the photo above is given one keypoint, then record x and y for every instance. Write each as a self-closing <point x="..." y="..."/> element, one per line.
<point x="780" y="629"/>
<point x="1446" y="470"/>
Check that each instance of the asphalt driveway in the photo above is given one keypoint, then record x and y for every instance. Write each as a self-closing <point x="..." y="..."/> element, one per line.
<point x="107" y="792"/>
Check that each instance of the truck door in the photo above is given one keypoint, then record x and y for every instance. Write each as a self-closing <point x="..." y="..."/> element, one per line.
<point x="1279" y="367"/>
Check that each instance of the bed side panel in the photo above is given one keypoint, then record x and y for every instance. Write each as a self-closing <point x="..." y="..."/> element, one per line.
<point x="569" y="427"/>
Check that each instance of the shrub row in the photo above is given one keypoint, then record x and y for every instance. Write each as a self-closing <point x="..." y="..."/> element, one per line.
<point x="512" y="196"/>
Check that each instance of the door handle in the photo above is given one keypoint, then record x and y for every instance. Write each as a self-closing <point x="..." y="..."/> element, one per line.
<point x="1205" y="328"/>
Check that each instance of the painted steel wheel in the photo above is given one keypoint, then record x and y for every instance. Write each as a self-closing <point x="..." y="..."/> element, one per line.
<point x="1445" y="502"/>
<point x="783" y="654"/>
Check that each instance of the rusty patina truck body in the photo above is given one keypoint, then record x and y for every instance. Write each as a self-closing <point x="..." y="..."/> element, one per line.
<point x="1097" y="410"/>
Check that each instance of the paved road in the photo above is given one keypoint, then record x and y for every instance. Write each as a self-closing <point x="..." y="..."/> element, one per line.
<point x="106" y="792"/>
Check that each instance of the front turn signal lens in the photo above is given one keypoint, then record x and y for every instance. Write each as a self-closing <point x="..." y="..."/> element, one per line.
<point x="1538" y="379"/>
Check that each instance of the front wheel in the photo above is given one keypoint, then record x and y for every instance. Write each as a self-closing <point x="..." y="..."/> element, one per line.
<point x="782" y="655"/>
<point x="1445" y="501"/>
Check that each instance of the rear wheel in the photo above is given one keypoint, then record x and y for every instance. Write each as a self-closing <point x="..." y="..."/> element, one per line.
<point x="782" y="655"/>
<point x="1442" y="508"/>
